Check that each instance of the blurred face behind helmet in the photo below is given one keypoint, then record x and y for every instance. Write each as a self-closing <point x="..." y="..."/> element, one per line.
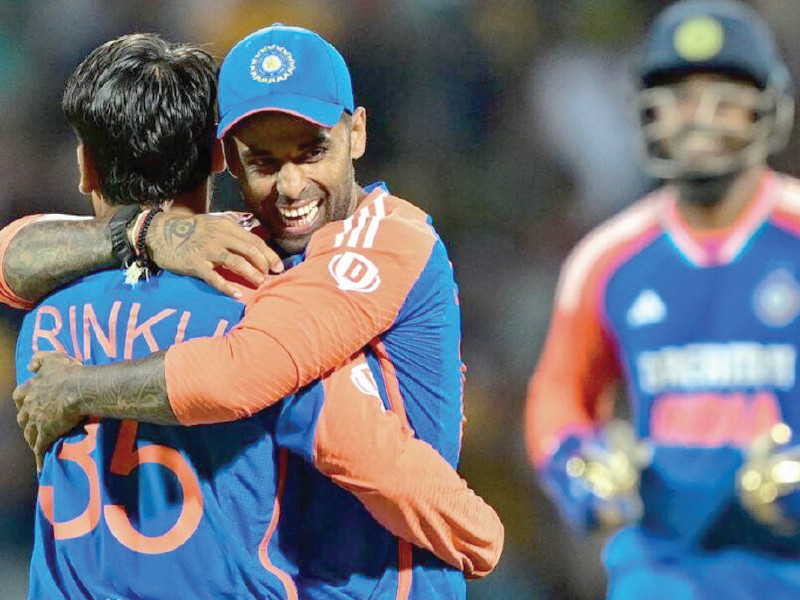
<point x="705" y="125"/>
<point x="714" y="95"/>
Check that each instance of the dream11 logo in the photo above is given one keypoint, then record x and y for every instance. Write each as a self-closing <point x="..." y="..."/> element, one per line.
<point x="354" y="273"/>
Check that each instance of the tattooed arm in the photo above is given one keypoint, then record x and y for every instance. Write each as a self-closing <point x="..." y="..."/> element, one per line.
<point x="47" y="253"/>
<point x="63" y="392"/>
<point x="197" y="244"/>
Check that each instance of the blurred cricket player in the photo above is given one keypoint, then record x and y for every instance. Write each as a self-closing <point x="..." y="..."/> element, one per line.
<point x="139" y="511"/>
<point x="690" y="299"/>
<point x="368" y="273"/>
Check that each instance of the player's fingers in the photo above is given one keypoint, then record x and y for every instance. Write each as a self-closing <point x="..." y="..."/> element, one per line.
<point x="38" y="359"/>
<point x="30" y="434"/>
<point x="218" y="282"/>
<point x="237" y="264"/>
<point x="19" y="394"/>
<point x="256" y="251"/>
<point x="42" y="444"/>
<point x="22" y="418"/>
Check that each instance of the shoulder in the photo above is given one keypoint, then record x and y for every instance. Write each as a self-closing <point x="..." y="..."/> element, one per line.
<point x="608" y="246"/>
<point x="787" y="191"/>
<point x="165" y="289"/>
<point x="382" y="224"/>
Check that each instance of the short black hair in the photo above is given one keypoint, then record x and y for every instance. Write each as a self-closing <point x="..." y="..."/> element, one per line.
<point x="145" y="109"/>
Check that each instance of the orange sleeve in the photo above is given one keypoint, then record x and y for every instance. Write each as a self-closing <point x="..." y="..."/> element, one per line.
<point x="572" y="389"/>
<point x="569" y="390"/>
<point x="7" y="295"/>
<point x="402" y="481"/>
<point x="300" y="325"/>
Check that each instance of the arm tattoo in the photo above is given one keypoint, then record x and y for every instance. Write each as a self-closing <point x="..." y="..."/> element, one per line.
<point x="45" y="255"/>
<point x="179" y="240"/>
<point x="135" y="390"/>
<point x="178" y="232"/>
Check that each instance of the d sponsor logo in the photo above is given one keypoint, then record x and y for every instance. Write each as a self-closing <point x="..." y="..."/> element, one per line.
<point x="354" y="273"/>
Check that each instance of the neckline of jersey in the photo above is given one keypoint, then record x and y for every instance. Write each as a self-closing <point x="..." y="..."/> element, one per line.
<point x="720" y="246"/>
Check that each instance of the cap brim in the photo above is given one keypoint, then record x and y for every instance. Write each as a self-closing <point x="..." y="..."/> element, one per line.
<point x="319" y="112"/>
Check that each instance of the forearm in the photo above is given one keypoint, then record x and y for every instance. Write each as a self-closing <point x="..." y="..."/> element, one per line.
<point x="133" y="390"/>
<point x="49" y="253"/>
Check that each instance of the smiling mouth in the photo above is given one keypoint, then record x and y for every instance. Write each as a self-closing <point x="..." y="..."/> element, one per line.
<point x="299" y="219"/>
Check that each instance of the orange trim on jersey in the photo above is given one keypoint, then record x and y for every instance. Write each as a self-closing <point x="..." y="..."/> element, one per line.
<point x="390" y="379"/>
<point x="405" y="555"/>
<point x="7" y="234"/>
<point x="786" y="220"/>
<point x="706" y="248"/>
<point x="605" y="241"/>
<point x="302" y="324"/>
<point x="263" y="548"/>
<point x="403" y="482"/>
<point x="405" y="570"/>
<point x="569" y="392"/>
<point x="786" y="214"/>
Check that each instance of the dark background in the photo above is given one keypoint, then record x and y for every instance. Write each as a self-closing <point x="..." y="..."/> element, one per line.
<point x="509" y="121"/>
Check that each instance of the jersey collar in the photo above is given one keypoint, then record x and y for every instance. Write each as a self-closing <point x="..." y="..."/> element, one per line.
<point x="718" y="247"/>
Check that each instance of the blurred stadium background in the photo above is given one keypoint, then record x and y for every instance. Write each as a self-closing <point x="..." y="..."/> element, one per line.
<point x="508" y="120"/>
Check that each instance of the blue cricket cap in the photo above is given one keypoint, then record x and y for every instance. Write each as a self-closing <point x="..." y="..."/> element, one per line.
<point x="284" y="69"/>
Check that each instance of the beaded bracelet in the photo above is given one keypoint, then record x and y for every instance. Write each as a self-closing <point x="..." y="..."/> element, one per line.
<point x="139" y="246"/>
<point x="143" y="266"/>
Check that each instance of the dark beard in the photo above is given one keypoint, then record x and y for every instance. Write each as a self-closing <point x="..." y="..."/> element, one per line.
<point x="706" y="191"/>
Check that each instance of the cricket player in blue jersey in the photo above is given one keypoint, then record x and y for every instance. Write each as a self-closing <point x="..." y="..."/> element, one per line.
<point x="377" y="266"/>
<point x="690" y="299"/>
<point x="135" y="510"/>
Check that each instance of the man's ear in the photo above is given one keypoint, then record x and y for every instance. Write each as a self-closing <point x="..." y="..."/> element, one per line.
<point x="358" y="133"/>
<point x="231" y="155"/>
<point x="89" y="179"/>
<point x="217" y="157"/>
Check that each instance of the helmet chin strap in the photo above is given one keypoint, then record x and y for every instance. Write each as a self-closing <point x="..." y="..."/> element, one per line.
<point x="706" y="191"/>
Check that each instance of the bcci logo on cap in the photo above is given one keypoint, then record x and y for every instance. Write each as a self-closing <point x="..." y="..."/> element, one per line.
<point x="699" y="39"/>
<point x="272" y="64"/>
<point x="354" y="273"/>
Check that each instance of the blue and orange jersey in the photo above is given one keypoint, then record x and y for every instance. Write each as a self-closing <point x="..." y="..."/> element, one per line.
<point x="380" y="280"/>
<point x="702" y="330"/>
<point x="133" y="510"/>
<point x="126" y="509"/>
<point x="397" y="485"/>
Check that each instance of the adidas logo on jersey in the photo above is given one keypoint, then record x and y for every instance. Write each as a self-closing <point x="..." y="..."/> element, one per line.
<point x="647" y="309"/>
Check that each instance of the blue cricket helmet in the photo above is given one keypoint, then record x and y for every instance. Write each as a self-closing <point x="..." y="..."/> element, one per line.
<point x="723" y="37"/>
<point x="719" y="36"/>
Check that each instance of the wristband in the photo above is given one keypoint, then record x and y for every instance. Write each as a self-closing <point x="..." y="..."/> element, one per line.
<point x="118" y="226"/>
<point x="142" y="265"/>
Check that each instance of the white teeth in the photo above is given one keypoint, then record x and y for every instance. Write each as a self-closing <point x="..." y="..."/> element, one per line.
<point x="300" y="217"/>
<point x="295" y="213"/>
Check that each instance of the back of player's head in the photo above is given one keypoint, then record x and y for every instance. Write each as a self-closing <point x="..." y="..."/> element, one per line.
<point x="145" y="110"/>
<point x="711" y="36"/>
